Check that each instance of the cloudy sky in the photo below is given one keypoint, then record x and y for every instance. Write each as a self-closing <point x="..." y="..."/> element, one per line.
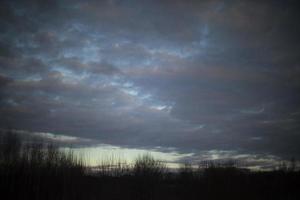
<point x="208" y="79"/>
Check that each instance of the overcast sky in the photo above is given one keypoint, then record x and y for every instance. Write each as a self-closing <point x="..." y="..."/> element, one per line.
<point x="194" y="76"/>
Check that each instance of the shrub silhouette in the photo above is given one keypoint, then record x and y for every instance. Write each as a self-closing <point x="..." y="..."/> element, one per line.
<point x="146" y="166"/>
<point x="10" y="146"/>
<point x="28" y="171"/>
<point x="186" y="172"/>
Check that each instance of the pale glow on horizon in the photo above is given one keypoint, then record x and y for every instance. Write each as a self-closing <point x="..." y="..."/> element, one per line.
<point x="97" y="155"/>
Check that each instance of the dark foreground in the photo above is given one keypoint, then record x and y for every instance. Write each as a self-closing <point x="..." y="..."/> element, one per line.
<point x="36" y="172"/>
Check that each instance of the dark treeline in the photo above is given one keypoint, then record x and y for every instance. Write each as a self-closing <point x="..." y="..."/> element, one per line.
<point x="38" y="171"/>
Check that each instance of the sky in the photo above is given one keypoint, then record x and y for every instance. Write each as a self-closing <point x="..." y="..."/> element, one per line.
<point x="198" y="80"/>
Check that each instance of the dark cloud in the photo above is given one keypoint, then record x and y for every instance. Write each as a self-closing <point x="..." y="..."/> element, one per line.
<point x="103" y="68"/>
<point x="194" y="75"/>
<point x="4" y="80"/>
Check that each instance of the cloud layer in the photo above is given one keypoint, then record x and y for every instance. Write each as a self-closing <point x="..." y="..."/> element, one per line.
<point x="193" y="75"/>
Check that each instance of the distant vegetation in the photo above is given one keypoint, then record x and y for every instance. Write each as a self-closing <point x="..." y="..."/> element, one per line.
<point x="37" y="171"/>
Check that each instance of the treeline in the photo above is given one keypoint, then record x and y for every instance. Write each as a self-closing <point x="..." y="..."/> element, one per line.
<point x="39" y="171"/>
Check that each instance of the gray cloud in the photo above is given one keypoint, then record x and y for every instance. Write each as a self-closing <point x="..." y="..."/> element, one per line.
<point x="197" y="76"/>
<point x="4" y="80"/>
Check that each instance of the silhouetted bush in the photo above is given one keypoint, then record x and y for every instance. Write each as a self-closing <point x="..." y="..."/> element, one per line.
<point x="147" y="167"/>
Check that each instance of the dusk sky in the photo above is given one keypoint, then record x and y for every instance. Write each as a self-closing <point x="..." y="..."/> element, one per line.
<point x="190" y="80"/>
